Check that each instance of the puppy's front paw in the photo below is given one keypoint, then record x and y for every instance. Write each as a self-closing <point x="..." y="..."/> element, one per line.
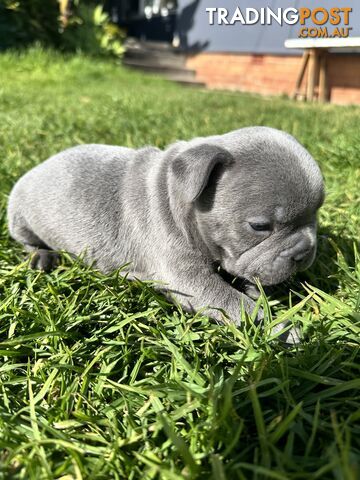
<point x="252" y="291"/>
<point x="289" y="337"/>
<point x="45" y="260"/>
<point x="259" y="316"/>
<point x="250" y="308"/>
<point x="293" y="336"/>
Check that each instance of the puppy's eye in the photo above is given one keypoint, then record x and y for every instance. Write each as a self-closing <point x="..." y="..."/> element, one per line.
<point x="260" y="227"/>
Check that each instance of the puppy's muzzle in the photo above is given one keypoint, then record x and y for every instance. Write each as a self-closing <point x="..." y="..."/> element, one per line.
<point x="303" y="253"/>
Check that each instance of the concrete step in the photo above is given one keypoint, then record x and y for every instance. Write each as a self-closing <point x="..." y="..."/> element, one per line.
<point x="161" y="70"/>
<point x="185" y="82"/>
<point x="153" y="46"/>
<point x="161" y="59"/>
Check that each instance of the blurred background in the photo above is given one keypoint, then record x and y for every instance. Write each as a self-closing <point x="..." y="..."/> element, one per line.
<point x="174" y="39"/>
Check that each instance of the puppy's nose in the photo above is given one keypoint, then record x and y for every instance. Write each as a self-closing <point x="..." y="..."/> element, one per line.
<point x="301" y="250"/>
<point x="301" y="255"/>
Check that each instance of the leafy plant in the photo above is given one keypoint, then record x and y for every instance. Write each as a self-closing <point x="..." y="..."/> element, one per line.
<point x="90" y="30"/>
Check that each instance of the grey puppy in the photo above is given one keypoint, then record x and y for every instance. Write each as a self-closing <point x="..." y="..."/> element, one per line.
<point x="246" y="201"/>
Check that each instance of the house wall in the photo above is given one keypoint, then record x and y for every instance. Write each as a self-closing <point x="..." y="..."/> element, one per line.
<point x="196" y="34"/>
<point x="274" y="74"/>
<point x="253" y="57"/>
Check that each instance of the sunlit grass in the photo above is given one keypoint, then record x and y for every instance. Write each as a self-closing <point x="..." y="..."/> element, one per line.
<point x="102" y="378"/>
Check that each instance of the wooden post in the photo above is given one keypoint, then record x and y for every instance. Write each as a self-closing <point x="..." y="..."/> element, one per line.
<point x="313" y="72"/>
<point x="323" y="85"/>
<point x="304" y="63"/>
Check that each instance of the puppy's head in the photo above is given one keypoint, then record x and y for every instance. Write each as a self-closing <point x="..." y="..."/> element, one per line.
<point x="254" y="196"/>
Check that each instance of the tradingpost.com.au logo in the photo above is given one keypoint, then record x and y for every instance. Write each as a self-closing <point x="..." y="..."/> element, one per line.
<point x="324" y="23"/>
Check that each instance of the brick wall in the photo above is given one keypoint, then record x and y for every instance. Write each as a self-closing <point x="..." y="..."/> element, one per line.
<point x="275" y="75"/>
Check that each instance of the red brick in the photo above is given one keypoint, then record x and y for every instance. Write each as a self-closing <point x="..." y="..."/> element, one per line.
<point x="271" y="74"/>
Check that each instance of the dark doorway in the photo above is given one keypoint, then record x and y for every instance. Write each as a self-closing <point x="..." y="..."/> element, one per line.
<point x="145" y="19"/>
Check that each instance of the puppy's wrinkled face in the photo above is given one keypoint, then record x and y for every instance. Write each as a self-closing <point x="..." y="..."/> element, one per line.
<point x="258" y="216"/>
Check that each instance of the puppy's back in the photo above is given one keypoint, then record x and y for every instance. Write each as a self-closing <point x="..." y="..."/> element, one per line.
<point x="73" y="191"/>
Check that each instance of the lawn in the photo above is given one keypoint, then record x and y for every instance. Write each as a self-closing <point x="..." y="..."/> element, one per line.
<point x="101" y="378"/>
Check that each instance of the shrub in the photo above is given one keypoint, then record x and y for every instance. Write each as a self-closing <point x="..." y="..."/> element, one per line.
<point x="23" y="22"/>
<point x="88" y="29"/>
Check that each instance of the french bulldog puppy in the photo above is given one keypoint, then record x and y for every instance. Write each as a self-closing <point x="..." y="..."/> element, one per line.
<point x="246" y="201"/>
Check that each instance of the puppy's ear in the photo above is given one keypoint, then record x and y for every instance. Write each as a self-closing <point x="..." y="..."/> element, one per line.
<point x="192" y="168"/>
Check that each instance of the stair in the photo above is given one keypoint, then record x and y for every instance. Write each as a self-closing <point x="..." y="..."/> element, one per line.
<point x="159" y="58"/>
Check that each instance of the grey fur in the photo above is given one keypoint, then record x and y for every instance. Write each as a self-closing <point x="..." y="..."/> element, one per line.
<point x="175" y="214"/>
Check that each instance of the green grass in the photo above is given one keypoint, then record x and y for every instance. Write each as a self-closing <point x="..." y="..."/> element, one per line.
<point x="101" y="378"/>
